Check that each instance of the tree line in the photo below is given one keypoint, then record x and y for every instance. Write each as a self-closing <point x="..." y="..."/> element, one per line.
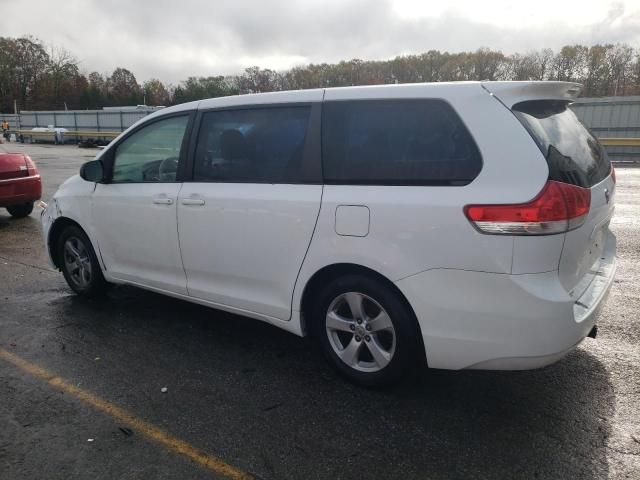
<point x="38" y="77"/>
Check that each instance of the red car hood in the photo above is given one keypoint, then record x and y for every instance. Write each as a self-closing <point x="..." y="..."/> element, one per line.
<point x="13" y="165"/>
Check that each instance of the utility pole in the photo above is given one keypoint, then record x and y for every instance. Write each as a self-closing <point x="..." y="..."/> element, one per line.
<point x="15" y="111"/>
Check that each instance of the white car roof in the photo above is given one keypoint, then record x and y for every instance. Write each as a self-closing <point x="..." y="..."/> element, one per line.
<point x="291" y="96"/>
<point x="510" y="93"/>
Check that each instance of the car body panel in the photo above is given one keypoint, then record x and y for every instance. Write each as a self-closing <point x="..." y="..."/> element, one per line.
<point x="507" y="322"/>
<point x="12" y="165"/>
<point x="18" y="185"/>
<point x="583" y="246"/>
<point x="482" y="301"/>
<point x="72" y="201"/>
<point x="251" y="258"/>
<point x="18" y="191"/>
<point x="138" y="238"/>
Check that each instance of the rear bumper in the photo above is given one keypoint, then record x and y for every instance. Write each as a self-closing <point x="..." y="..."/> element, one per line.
<point x="16" y="191"/>
<point x="588" y="306"/>
<point x="493" y="321"/>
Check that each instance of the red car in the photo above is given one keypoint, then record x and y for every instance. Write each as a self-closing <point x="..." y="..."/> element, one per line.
<point x="20" y="184"/>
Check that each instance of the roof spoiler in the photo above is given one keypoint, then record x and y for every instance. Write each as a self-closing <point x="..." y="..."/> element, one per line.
<point x="511" y="93"/>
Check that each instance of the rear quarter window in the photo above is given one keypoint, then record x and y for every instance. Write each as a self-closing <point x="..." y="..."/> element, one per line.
<point x="573" y="153"/>
<point x="396" y="142"/>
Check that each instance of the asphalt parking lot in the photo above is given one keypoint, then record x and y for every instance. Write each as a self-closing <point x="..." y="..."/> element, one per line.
<point x="244" y="398"/>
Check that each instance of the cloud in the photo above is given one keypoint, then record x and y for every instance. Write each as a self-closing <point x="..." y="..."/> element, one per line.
<point x="172" y="40"/>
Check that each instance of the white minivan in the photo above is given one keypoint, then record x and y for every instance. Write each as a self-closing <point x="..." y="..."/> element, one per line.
<point x="462" y="223"/>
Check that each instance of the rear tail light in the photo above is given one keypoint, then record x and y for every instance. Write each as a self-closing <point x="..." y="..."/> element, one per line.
<point x="31" y="166"/>
<point x="558" y="208"/>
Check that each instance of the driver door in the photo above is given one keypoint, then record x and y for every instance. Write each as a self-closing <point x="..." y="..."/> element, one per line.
<point x="134" y="214"/>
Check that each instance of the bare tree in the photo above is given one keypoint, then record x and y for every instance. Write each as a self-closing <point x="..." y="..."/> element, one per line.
<point x="37" y="76"/>
<point x="156" y="93"/>
<point x="487" y="64"/>
<point x="24" y="62"/>
<point x="123" y="87"/>
<point x="59" y="85"/>
<point x="598" y="72"/>
<point x="619" y="58"/>
<point x="570" y="62"/>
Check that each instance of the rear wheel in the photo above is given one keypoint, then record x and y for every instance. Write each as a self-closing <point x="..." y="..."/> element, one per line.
<point x="366" y="331"/>
<point x="79" y="263"/>
<point x="20" y="211"/>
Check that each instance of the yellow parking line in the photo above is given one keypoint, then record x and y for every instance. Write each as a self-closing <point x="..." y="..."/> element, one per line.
<point x="148" y="430"/>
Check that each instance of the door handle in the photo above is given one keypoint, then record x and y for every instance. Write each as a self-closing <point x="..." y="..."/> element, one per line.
<point x="192" y="201"/>
<point x="163" y="201"/>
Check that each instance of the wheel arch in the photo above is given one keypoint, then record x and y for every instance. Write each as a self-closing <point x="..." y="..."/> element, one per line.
<point x="336" y="270"/>
<point x="57" y="227"/>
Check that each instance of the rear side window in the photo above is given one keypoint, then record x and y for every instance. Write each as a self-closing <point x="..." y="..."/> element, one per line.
<point x="572" y="152"/>
<point x="396" y="142"/>
<point x="258" y="145"/>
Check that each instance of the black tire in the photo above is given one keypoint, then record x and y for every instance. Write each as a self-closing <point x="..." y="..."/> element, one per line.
<point x="20" y="211"/>
<point x="96" y="284"/>
<point x="407" y="352"/>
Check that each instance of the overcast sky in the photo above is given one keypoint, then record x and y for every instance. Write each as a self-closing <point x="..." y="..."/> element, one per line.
<point x="174" y="39"/>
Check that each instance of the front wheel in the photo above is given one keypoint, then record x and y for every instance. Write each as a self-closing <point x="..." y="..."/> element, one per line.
<point x="366" y="330"/>
<point x="20" y="211"/>
<point x="79" y="263"/>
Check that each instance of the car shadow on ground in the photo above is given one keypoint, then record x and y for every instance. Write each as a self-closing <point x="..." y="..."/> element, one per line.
<point x="22" y="224"/>
<point x="267" y="397"/>
<point x="6" y="220"/>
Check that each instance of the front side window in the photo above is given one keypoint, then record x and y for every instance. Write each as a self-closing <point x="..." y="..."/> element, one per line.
<point x="257" y="145"/>
<point x="396" y="142"/>
<point x="152" y="153"/>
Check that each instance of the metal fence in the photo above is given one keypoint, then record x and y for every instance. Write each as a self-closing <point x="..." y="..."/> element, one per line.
<point x="613" y="117"/>
<point x="110" y="120"/>
<point x="14" y="120"/>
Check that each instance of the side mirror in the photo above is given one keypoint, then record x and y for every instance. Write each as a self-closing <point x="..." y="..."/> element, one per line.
<point x="92" y="171"/>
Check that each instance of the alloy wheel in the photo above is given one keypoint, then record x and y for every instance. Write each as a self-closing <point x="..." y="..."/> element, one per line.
<point x="77" y="262"/>
<point x="360" y="332"/>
